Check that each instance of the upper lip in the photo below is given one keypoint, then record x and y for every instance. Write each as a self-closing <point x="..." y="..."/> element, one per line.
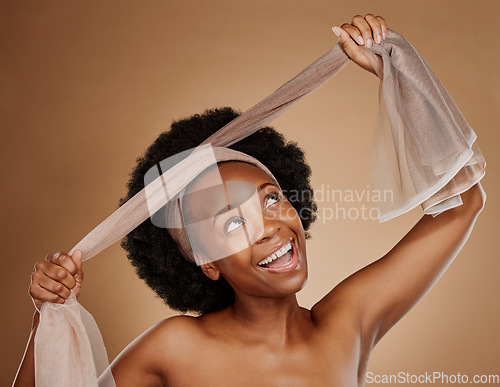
<point x="274" y="249"/>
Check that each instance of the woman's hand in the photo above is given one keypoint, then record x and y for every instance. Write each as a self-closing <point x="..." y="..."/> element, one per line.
<point x="363" y="31"/>
<point x="54" y="278"/>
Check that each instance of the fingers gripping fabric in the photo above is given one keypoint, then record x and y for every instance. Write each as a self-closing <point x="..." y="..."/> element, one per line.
<point x="423" y="151"/>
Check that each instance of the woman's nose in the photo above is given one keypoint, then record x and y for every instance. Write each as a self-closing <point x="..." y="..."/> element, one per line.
<point x="270" y="228"/>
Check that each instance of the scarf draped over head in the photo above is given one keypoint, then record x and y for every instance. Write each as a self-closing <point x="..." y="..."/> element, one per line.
<point x="423" y="151"/>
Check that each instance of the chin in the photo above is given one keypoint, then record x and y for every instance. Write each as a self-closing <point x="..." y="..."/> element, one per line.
<point x="295" y="284"/>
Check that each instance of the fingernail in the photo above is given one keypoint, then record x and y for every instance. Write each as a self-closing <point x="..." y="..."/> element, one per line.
<point x="369" y="43"/>
<point x="360" y="40"/>
<point x="378" y="39"/>
<point x="56" y="255"/>
<point x="336" y="31"/>
<point x="384" y="34"/>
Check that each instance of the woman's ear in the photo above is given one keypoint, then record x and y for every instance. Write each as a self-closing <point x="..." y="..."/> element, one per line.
<point x="208" y="267"/>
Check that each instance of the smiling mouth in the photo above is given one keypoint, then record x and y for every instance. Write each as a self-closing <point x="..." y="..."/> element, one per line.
<point x="283" y="260"/>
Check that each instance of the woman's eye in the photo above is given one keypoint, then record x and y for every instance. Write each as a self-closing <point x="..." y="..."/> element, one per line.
<point x="233" y="224"/>
<point x="271" y="199"/>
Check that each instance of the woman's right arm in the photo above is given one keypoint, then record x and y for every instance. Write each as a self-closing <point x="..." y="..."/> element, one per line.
<point x="26" y="373"/>
<point x="52" y="280"/>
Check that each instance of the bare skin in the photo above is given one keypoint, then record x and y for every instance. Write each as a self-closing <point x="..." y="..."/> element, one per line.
<point x="265" y="337"/>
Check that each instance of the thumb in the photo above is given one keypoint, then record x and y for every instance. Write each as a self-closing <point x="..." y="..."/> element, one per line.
<point x="358" y="54"/>
<point x="77" y="258"/>
<point x="348" y="44"/>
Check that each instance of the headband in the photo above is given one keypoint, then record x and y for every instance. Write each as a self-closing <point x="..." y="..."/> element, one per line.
<point x="423" y="151"/>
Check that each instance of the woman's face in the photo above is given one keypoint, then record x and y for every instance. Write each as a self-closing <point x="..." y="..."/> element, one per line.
<point x="246" y="231"/>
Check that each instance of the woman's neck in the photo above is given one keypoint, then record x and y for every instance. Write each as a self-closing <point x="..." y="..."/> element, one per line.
<point x="276" y="321"/>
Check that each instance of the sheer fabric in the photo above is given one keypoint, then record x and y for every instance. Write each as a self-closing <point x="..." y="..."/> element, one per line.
<point x="69" y="345"/>
<point x="423" y="150"/>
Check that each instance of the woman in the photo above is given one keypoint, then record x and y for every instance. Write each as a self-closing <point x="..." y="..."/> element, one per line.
<point x="251" y="329"/>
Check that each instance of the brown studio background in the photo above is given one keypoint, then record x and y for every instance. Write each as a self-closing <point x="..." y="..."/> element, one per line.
<point x="87" y="86"/>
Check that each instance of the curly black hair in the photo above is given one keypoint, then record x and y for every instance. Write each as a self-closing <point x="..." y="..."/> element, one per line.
<point x="181" y="284"/>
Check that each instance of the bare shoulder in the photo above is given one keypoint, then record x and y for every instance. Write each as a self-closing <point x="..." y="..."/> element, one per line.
<point x="148" y="359"/>
<point x="171" y="327"/>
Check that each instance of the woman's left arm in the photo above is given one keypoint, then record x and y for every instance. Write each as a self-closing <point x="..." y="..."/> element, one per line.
<point x="380" y="294"/>
<point x="388" y="288"/>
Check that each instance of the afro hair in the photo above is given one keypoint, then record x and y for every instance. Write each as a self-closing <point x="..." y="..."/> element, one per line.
<point x="181" y="284"/>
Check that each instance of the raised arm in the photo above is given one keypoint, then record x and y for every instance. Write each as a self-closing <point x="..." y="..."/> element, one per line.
<point x="378" y="295"/>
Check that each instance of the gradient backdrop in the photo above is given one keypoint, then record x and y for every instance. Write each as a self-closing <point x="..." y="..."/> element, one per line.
<point x="86" y="86"/>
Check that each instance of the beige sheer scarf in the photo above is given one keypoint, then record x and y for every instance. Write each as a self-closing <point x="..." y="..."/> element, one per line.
<point x="423" y="150"/>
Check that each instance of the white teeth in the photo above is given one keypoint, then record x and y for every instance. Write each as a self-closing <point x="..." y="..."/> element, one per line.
<point x="277" y="254"/>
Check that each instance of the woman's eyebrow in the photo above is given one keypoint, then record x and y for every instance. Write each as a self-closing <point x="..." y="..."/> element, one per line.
<point x="225" y="209"/>
<point x="264" y="185"/>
